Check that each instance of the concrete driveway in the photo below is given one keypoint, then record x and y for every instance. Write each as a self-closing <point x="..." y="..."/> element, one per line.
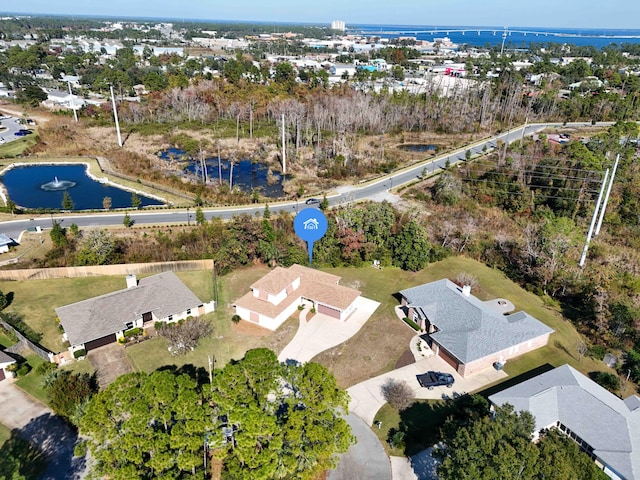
<point x="323" y="332"/>
<point x="109" y="362"/>
<point x="366" y="397"/>
<point x="34" y="422"/>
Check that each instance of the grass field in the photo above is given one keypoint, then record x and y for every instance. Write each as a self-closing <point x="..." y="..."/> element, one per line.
<point x="16" y="147"/>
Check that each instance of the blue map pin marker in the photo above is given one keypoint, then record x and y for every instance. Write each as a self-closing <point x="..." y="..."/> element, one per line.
<point x="310" y="225"/>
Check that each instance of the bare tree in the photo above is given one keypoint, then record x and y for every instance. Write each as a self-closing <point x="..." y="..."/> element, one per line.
<point x="183" y="337"/>
<point x="397" y="393"/>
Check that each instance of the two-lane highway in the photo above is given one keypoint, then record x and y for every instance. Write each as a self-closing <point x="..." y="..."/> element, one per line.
<point x="365" y="191"/>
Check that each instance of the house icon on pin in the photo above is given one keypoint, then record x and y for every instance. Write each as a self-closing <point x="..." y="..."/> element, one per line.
<point x="311" y="224"/>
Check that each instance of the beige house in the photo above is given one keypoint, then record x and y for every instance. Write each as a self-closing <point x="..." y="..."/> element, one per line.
<point x="102" y="320"/>
<point x="277" y="295"/>
<point x="469" y="334"/>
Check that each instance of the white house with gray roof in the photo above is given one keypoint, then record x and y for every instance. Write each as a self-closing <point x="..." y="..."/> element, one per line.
<point x="102" y="320"/>
<point x="603" y="425"/>
<point x="466" y="332"/>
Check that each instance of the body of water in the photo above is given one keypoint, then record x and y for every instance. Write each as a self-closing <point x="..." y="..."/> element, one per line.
<point x="517" y="37"/>
<point x="43" y="186"/>
<point x="247" y="175"/>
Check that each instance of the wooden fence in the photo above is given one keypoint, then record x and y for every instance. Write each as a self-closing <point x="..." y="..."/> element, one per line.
<point x="98" y="270"/>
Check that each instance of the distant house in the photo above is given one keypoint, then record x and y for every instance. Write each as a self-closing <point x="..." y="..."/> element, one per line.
<point x="102" y="320"/>
<point x="277" y="295"/>
<point x="5" y="361"/>
<point x="5" y="243"/>
<point x="467" y="333"/>
<point x="603" y="425"/>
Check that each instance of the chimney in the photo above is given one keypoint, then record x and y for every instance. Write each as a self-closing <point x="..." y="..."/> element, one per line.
<point x="132" y="281"/>
<point x="466" y="290"/>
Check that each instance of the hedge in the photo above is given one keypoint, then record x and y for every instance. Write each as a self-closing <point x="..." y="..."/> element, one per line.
<point x="411" y="323"/>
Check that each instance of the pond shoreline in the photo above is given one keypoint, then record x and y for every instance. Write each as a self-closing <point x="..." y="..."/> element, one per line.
<point x="88" y="173"/>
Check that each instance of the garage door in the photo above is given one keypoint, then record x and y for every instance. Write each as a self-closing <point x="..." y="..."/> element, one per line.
<point x="1" y="374"/>
<point x="448" y="358"/>
<point x="332" y="312"/>
<point x="100" y="342"/>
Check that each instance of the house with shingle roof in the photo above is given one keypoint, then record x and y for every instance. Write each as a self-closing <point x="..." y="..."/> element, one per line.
<point x="604" y="426"/>
<point x="469" y="334"/>
<point x="277" y="295"/>
<point x="102" y="320"/>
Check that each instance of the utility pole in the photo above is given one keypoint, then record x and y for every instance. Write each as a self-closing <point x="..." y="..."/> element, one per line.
<point x="115" y="116"/>
<point x="606" y="197"/>
<point x="593" y="220"/>
<point x="72" y="104"/>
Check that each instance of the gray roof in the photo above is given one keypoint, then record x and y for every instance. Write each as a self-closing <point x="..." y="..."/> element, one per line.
<point x="4" y="358"/>
<point x="4" y="240"/>
<point x="610" y="425"/>
<point x="467" y="327"/>
<point x="163" y="294"/>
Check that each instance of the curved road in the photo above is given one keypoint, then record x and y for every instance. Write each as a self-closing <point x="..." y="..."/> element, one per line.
<point x="368" y="190"/>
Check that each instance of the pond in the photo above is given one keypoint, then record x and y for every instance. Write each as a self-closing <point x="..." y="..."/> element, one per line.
<point x="43" y="186"/>
<point x="417" y="147"/>
<point x="247" y="174"/>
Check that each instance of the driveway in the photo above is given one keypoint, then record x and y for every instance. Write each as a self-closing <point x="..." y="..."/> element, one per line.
<point x="38" y="425"/>
<point x="109" y="362"/>
<point x="323" y="332"/>
<point x="366" y="397"/>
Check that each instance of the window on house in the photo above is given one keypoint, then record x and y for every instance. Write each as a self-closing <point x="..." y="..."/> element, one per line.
<point x="129" y="325"/>
<point x="188" y="311"/>
<point x="170" y="317"/>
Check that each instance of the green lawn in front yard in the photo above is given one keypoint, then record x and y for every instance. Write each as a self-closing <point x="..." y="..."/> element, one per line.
<point x="5" y="340"/>
<point x="16" y="147"/>
<point x="32" y="381"/>
<point x="421" y="422"/>
<point x="5" y="434"/>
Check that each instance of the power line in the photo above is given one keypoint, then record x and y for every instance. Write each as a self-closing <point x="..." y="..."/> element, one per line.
<point x="532" y="187"/>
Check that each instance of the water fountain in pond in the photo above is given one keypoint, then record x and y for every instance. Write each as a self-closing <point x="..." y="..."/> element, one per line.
<point x="57" y="185"/>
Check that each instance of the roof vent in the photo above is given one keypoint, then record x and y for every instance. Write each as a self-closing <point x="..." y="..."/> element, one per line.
<point x="466" y="290"/>
<point x="132" y="281"/>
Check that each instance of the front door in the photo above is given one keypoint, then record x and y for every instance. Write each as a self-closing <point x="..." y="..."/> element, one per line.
<point x="147" y="317"/>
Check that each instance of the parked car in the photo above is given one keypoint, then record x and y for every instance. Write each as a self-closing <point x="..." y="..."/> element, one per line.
<point x="312" y="201"/>
<point x="435" y="379"/>
<point x="23" y="132"/>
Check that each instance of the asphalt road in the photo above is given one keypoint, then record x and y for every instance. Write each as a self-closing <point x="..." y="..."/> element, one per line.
<point x="368" y="190"/>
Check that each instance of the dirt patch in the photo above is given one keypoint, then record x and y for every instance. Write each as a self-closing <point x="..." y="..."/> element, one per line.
<point x="407" y="358"/>
<point x="109" y="363"/>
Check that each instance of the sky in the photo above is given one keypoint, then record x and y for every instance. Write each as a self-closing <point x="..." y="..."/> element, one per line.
<point x="573" y="14"/>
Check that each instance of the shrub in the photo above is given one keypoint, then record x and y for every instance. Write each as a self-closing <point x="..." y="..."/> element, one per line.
<point x="607" y="380"/>
<point x="80" y="450"/>
<point x="133" y="332"/>
<point x="397" y="393"/>
<point x="183" y="337"/>
<point x="597" y="351"/>
<point x="235" y="319"/>
<point x="23" y="369"/>
<point x="45" y="367"/>
<point x="300" y="307"/>
<point x="411" y="323"/>
<point x="80" y="353"/>
<point x="313" y="310"/>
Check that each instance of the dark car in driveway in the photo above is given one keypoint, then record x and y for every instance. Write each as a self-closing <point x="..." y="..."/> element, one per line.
<point x="435" y="379"/>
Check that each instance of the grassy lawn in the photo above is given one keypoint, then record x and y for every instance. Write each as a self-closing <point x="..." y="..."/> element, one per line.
<point x="32" y="381"/>
<point x="18" y="459"/>
<point x="16" y="147"/>
<point x="421" y="422"/>
<point x="5" y="340"/>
